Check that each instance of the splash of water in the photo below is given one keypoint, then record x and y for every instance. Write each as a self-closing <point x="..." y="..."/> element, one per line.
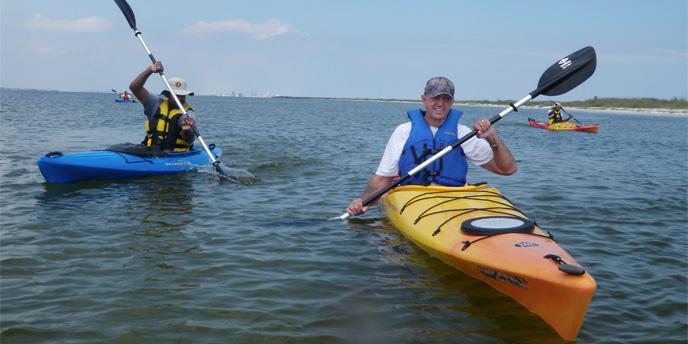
<point x="234" y="175"/>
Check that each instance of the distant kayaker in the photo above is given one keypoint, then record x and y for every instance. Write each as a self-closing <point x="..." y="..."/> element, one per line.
<point x="125" y="95"/>
<point x="428" y="132"/>
<point x="166" y="125"/>
<point x="554" y="114"/>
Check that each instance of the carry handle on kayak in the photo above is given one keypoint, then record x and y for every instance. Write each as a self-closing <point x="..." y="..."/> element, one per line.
<point x="563" y="76"/>
<point x="131" y="19"/>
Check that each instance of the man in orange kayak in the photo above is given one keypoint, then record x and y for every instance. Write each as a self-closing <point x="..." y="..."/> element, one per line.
<point x="428" y="132"/>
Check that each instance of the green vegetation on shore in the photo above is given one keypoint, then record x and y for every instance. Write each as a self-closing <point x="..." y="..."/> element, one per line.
<point x="625" y="103"/>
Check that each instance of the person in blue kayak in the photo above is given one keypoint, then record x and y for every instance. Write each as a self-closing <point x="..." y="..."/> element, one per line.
<point x="429" y="131"/>
<point x="166" y="126"/>
<point x="125" y="96"/>
<point x="554" y="114"/>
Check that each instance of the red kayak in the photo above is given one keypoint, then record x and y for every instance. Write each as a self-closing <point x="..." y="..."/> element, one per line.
<point x="564" y="126"/>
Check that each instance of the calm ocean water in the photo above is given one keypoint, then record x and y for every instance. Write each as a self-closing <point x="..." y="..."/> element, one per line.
<point x="187" y="259"/>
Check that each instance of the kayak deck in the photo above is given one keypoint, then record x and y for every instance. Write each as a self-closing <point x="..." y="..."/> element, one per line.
<point x="524" y="263"/>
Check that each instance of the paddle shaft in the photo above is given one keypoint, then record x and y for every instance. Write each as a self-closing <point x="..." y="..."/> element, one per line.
<point x="561" y="77"/>
<point x="440" y="154"/>
<point x="131" y="19"/>
<point x="176" y="100"/>
<point x="574" y="118"/>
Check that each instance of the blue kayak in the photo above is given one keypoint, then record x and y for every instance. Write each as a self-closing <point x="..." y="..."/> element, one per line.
<point x="123" y="161"/>
<point x="120" y="100"/>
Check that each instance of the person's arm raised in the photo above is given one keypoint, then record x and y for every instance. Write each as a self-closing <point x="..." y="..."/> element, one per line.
<point x="136" y="85"/>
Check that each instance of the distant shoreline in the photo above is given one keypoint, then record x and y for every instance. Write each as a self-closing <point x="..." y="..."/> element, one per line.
<point x="630" y="111"/>
<point x="681" y="112"/>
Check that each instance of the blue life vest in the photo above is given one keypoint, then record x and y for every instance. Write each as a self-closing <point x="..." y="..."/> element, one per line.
<point x="451" y="169"/>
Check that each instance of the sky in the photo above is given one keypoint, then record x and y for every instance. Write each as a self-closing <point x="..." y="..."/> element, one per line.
<point x="490" y="49"/>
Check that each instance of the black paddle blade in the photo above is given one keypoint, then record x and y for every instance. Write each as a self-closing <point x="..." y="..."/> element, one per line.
<point x="128" y="13"/>
<point x="567" y="73"/>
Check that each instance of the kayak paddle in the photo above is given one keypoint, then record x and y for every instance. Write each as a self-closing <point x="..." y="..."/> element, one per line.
<point x="563" y="76"/>
<point x="239" y="175"/>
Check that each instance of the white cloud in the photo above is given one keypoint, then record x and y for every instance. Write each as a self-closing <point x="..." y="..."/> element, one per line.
<point x="269" y="29"/>
<point x="86" y="24"/>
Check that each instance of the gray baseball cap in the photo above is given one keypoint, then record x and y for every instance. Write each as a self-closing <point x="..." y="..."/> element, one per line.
<point x="439" y="85"/>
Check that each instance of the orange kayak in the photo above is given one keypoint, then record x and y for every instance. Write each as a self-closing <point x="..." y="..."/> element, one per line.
<point x="479" y="232"/>
<point x="564" y="126"/>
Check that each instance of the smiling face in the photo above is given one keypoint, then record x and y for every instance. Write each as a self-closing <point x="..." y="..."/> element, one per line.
<point x="437" y="108"/>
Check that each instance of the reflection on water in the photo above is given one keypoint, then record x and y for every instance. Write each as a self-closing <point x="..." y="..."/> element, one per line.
<point x="168" y="198"/>
<point x="151" y="213"/>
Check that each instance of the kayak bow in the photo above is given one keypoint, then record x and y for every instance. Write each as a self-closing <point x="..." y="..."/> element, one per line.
<point x="479" y="232"/>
